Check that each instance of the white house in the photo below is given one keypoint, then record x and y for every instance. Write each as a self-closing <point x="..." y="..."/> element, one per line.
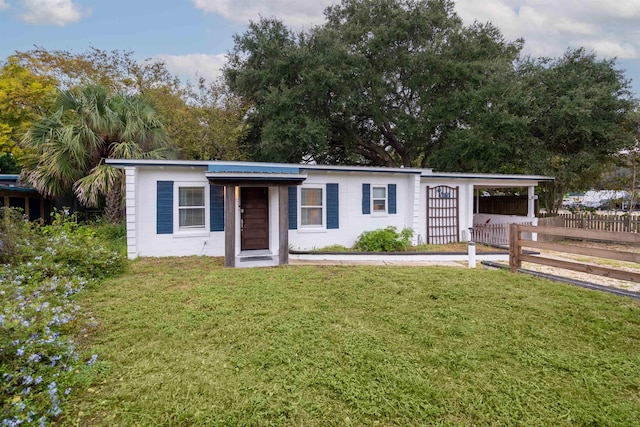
<point x="254" y="212"/>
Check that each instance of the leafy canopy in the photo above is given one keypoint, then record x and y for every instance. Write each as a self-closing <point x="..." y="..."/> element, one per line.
<point x="405" y="83"/>
<point x="578" y="119"/>
<point x="23" y="96"/>
<point x="382" y="82"/>
<point x="202" y="118"/>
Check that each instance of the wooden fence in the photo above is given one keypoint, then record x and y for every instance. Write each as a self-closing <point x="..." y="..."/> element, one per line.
<point x="504" y="205"/>
<point x="603" y="222"/>
<point x="516" y="256"/>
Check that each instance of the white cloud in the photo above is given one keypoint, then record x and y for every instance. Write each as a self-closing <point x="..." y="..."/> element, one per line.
<point x="187" y="67"/>
<point x="549" y="27"/>
<point x="298" y="13"/>
<point x="52" y="12"/>
<point x="4" y="5"/>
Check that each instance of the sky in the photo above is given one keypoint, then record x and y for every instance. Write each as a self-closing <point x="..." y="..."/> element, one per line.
<point x="192" y="36"/>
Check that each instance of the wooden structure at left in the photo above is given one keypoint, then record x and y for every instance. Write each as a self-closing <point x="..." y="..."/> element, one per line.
<point x="17" y="195"/>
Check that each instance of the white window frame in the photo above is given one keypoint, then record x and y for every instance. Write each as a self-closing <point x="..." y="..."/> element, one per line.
<point x="323" y="216"/>
<point x="386" y="200"/>
<point x="190" y="231"/>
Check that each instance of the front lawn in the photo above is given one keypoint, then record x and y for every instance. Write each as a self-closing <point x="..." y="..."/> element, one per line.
<point x="183" y="341"/>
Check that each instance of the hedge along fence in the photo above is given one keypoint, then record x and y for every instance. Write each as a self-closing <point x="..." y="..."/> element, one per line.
<point x="603" y="222"/>
<point x="516" y="256"/>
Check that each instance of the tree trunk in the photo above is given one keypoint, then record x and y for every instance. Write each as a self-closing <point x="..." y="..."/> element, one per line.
<point x="551" y="197"/>
<point x="632" y="194"/>
<point x="113" y="204"/>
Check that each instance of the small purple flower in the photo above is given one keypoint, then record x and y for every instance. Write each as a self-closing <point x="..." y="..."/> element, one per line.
<point x="93" y="360"/>
<point x="20" y="351"/>
<point x="35" y="358"/>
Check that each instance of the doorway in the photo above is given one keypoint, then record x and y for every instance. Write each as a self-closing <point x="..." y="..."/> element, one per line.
<point x="254" y="218"/>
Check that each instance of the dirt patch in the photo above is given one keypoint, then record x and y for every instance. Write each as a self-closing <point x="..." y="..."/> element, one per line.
<point x="592" y="278"/>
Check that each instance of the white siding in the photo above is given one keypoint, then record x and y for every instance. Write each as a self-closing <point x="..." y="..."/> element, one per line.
<point x="130" y="212"/>
<point x="352" y="221"/>
<point x="141" y="198"/>
<point x="202" y="242"/>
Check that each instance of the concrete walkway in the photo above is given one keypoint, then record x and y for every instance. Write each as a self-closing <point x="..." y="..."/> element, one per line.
<point x="370" y="262"/>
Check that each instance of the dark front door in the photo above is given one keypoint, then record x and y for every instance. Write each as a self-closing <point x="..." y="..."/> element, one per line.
<point x="254" y="218"/>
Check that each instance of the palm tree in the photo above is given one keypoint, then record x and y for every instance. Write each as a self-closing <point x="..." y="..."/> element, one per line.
<point x="66" y="150"/>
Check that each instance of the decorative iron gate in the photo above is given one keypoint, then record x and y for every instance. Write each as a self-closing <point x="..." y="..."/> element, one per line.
<point x="443" y="215"/>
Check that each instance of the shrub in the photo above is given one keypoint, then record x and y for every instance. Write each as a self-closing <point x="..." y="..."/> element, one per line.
<point x="114" y="235"/>
<point x="42" y="273"/>
<point x="384" y="240"/>
<point x="17" y="236"/>
<point x="77" y="249"/>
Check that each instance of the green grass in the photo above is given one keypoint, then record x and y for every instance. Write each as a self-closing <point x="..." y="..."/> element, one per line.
<point x="186" y="342"/>
<point x="335" y="248"/>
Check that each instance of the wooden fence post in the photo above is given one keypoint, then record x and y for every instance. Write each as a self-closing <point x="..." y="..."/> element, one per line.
<point x="514" y="248"/>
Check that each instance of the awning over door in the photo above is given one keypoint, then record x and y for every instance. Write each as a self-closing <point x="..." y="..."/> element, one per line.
<point x="257" y="176"/>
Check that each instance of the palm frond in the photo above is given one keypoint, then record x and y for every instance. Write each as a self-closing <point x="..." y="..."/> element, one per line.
<point x="102" y="179"/>
<point x="66" y="149"/>
<point x="126" y="150"/>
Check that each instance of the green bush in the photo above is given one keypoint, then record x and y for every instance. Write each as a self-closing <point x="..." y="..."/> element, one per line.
<point x="77" y="247"/>
<point x="384" y="240"/>
<point x="114" y="235"/>
<point x="18" y="237"/>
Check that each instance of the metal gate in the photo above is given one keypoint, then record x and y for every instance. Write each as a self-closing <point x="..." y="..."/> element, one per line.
<point x="443" y="215"/>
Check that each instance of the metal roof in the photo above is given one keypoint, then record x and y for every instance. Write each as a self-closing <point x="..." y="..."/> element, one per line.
<point x="269" y="168"/>
<point x="215" y="165"/>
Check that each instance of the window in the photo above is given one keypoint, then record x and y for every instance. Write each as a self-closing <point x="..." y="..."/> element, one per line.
<point x="379" y="199"/>
<point x="311" y="206"/>
<point x="191" y="208"/>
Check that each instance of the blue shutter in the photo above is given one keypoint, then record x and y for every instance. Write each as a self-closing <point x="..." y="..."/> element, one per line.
<point x="293" y="208"/>
<point x="366" y="198"/>
<point x="216" y="207"/>
<point x="164" y="207"/>
<point x="391" y="191"/>
<point x="333" y="206"/>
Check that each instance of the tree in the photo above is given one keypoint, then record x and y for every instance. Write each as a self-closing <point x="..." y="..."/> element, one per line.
<point x="382" y="82"/>
<point x="23" y="96"/>
<point x="205" y="120"/>
<point x="577" y="117"/>
<point x="631" y="158"/>
<point x="404" y="82"/>
<point x="202" y="118"/>
<point x="116" y="70"/>
<point x="67" y="148"/>
<point x="625" y="173"/>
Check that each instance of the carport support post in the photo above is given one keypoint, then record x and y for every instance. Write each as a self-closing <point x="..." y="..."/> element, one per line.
<point x="531" y="205"/>
<point x="229" y="226"/>
<point x="283" y="224"/>
<point x="471" y="249"/>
